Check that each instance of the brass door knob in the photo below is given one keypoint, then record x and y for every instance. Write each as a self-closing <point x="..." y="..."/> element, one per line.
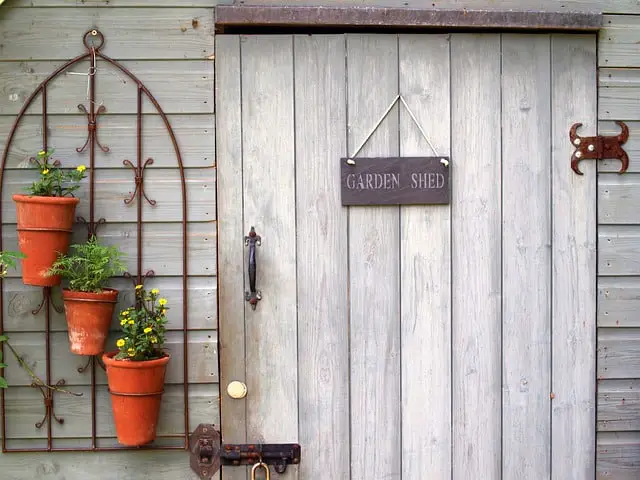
<point x="237" y="389"/>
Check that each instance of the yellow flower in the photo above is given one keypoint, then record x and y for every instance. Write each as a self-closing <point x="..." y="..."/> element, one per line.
<point x="81" y="168"/>
<point x="148" y="330"/>
<point x="131" y="322"/>
<point x="124" y="313"/>
<point x="138" y="287"/>
<point x="123" y="321"/>
<point x="162" y="302"/>
<point x="155" y="291"/>
<point x="45" y="171"/>
<point x="120" y="343"/>
<point x="42" y="153"/>
<point x="131" y="352"/>
<point x="154" y="340"/>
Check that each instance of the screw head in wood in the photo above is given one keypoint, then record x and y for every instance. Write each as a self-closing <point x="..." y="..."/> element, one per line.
<point x="591" y="148"/>
<point x="577" y="141"/>
<point x="237" y="390"/>
<point x="578" y="154"/>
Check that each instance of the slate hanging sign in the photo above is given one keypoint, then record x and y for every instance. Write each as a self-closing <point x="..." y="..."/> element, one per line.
<point x="395" y="181"/>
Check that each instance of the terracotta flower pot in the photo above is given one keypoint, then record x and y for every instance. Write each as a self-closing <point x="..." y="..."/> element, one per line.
<point x="88" y="319"/>
<point x="44" y="229"/>
<point x="136" y="390"/>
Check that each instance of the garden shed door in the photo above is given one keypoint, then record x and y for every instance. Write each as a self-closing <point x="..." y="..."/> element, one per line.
<point x="409" y="342"/>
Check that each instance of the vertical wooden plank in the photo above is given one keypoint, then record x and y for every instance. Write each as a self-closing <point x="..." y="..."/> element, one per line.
<point x="573" y="80"/>
<point x="425" y="246"/>
<point x="476" y="253"/>
<point x="372" y="72"/>
<point x="269" y="205"/>
<point x="323" y="335"/>
<point x="230" y="241"/>
<point x="526" y="257"/>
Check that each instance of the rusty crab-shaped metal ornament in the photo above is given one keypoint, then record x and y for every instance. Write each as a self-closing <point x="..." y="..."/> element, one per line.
<point x="599" y="148"/>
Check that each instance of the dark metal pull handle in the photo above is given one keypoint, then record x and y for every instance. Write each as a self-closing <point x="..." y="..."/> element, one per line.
<point x="253" y="296"/>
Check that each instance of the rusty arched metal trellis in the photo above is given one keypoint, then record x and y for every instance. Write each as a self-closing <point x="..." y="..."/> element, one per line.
<point x="93" y="40"/>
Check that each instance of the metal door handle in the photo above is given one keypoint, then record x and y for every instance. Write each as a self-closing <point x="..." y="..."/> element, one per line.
<point x="253" y="296"/>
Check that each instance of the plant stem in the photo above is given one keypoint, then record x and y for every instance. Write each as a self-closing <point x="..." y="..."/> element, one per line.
<point x="35" y="378"/>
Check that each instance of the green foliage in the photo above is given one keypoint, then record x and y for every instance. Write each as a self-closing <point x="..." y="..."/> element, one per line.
<point x="54" y="181"/>
<point x="89" y="266"/>
<point x="8" y="260"/>
<point x="3" y="382"/>
<point x="143" y="326"/>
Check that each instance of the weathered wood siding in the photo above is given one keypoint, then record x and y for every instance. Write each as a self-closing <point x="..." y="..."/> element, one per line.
<point x="170" y="48"/>
<point x="452" y="341"/>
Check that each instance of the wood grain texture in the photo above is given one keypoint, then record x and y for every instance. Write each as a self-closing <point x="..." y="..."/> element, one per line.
<point x="374" y="283"/>
<point x="526" y="257"/>
<point x="617" y="42"/>
<point x="321" y="226"/>
<point x="632" y="147"/>
<point x="80" y="466"/>
<point x="162" y="246"/>
<point x="230" y="242"/>
<point x="619" y="405"/>
<point x="425" y="246"/>
<point x="116" y="3"/>
<point x="20" y="300"/>
<point x="574" y="263"/>
<point x="617" y="196"/>
<point x="618" y="94"/>
<point x="618" y="454"/>
<point x="618" y="353"/>
<point x="202" y="358"/>
<point x="114" y="186"/>
<point x="195" y="135"/>
<point x="24" y="408"/>
<point x="269" y="205"/>
<point x="115" y="90"/>
<point x="618" y="250"/>
<point x="130" y="33"/>
<point x="618" y="302"/>
<point x="476" y="252"/>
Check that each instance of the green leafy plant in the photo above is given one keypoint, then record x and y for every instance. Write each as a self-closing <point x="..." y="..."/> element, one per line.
<point x="143" y="326"/>
<point x="89" y="266"/>
<point x="9" y="260"/>
<point x="55" y="181"/>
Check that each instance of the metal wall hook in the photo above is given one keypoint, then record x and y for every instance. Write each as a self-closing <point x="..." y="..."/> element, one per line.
<point x="253" y="296"/>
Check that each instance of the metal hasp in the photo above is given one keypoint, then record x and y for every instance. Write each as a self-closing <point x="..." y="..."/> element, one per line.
<point x="599" y="148"/>
<point x="253" y="296"/>
<point x="208" y="453"/>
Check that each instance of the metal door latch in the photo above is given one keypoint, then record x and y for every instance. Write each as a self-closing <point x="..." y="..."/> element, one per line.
<point x="208" y="453"/>
<point x="599" y="148"/>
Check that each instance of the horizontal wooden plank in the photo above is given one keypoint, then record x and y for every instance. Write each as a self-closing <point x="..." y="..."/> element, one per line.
<point x="618" y="41"/>
<point x="618" y="456"/>
<point x="618" y="302"/>
<point x="618" y="250"/>
<point x="124" y="465"/>
<point x="162" y="246"/>
<point x="632" y="147"/>
<point x="119" y="3"/>
<point x="116" y="91"/>
<point x="618" y="197"/>
<point x="202" y="358"/>
<point x="114" y="186"/>
<point x="20" y="301"/>
<point x="619" y="405"/>
<point x="195" y="135"/>
<point x="618" y="353"/>
<point x="130" y="33"/>
<point x="383" y="16"/>
<point x="618" y="93"/>
<point x="24" y="407"/>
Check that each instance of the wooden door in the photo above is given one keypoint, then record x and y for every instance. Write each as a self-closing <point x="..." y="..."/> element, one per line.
<point x="410" y="342"/>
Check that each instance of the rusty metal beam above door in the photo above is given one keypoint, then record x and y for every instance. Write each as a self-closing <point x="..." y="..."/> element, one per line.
<point x="403" y="18"/>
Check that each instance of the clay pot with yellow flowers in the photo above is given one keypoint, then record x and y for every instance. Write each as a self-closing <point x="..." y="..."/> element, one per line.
<point x="136" y="371"/>
<point x="88" y="302"/>
<point x="45" y="216"/>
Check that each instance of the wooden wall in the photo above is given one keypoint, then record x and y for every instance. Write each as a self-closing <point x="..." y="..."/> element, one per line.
<point x="170" y="48"/>
<point x="160" y="42"/>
